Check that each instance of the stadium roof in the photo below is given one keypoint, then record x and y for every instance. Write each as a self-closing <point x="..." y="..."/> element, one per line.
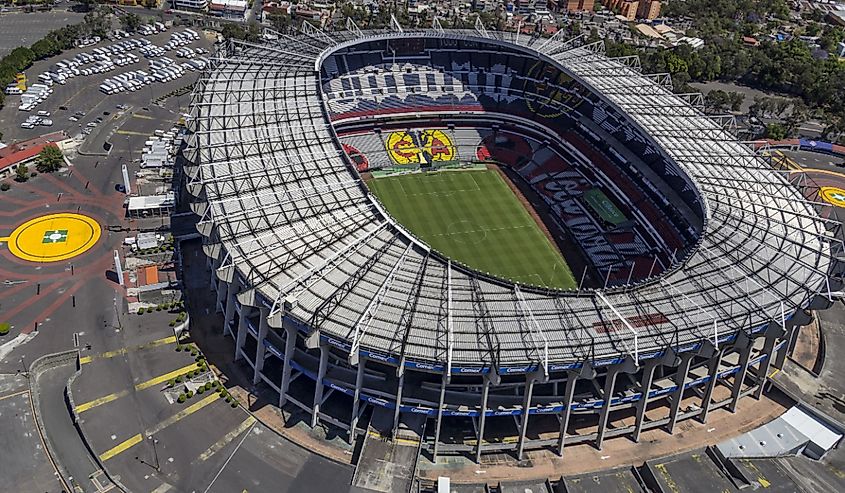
<point x="288" y="219"/>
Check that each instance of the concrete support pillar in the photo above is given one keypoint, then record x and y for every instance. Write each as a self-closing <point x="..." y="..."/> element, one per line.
<point x="713" y="372"/>
<point x="739" y="378"/>
<point x="399" y="387"/>
<point x="318" y="389"/>
<point x="222" y="287"/>
<point x="609" y="387"/>
<point x="678" y="395"/>
<point x="763" y="369"/>
<point x="783" y="352"/>
<point x="642" y="404"/>
<point x="526" y="406"/>
<point x="569" y="393"/>
<point x="229" y="314"/>
<point x="482" y="418"/>
<point x="260" y="349"/>
<point x="290" y="344"/>
<point x="439" y="416"/>
<point x="240" y="338"/>
<point x="356" y="399"/>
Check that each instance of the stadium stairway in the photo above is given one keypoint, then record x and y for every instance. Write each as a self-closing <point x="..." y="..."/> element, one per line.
<point x="389" y="464"/>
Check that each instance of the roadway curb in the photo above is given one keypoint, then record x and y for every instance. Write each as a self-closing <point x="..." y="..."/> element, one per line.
<point x="35" y="369"/>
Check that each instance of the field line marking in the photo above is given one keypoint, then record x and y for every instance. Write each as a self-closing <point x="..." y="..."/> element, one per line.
<point x="99" y="402"/>
<point x="122" y="447"/>
<point x="167" y="376"/>
<point x="182" y="414"/>
<point x="227" y="438"/>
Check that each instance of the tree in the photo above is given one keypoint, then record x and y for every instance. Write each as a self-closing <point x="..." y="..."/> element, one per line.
<point x="21" y="173"/>
<point x="49" y="159"/>
<point x="775" y="131"/>
<point x="130" y="22"/>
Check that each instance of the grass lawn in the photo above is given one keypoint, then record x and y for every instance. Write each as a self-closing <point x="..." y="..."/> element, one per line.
<point x="474" y="218"/>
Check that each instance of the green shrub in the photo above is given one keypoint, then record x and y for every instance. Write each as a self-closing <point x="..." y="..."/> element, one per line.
<point x="149" y="309"/>
<point x="178" y="348"/>
<point x="207" y="386"/>
<point x="172" y="323"/>
<point x="33" y="174"/>
<point x="5" y="327"/>
<point x="234" y="404"/>
<point x="5" y="186"/>
<point x="178" y="379"/>
<point x="140" y="311"/>
<point x="201" y="390"/>
<point x="190" y="394"/>
<point x="181" y="399"/>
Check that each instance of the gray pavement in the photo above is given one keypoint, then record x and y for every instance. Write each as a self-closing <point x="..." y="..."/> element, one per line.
<point x="22" y="29"/>
<point x="25" y="463"/>
<point x="66" y="443"/>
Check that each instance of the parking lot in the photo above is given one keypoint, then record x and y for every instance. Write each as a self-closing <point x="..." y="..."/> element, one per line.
<point x="80" y="86"/>
<point x="22" y="29"/>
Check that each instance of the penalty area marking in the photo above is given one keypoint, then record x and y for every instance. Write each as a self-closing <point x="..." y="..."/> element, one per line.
<point x="53" y="237"/>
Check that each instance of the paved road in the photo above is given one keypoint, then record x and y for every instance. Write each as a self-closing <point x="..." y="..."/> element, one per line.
<point x="67" y="445"/>
<point x="24" y="461"/>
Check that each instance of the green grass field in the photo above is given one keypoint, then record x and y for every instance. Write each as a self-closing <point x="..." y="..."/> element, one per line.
<point x="474" y="218"/>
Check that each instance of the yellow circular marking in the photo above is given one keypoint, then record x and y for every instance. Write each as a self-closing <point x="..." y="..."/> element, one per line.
<point x="438" y="145"/>
<point x="402" y="148"/>
<point x="54" y="237"/>
<point x="833" y="195"/>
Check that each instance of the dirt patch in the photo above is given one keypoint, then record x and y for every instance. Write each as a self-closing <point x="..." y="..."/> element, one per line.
<point x="807" y="346"/>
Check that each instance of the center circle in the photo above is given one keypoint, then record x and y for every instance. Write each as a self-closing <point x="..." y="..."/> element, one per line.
<point x="54" y="237"/>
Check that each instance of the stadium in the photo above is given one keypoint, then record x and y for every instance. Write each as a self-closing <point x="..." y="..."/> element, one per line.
<point x="492" y="242"/>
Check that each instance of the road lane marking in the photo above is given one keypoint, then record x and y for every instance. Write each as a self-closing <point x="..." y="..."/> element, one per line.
<point x="227" y="438"/>
<point x="130" y="132"/>
<point x="119" y="352"/>
<point x="183" y="414"/>
<point x="167" y="376"/>
<point x="163" y="488"/>
<point x="122" y="447"/>
<point x="99" y="402"/>
<point x="143" y="117"/>
<point x="20" y="392"/>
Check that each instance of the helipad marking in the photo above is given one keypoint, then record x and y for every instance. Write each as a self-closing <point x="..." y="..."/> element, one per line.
<point x="833" y="195"/>
<point x="53" y="237"/>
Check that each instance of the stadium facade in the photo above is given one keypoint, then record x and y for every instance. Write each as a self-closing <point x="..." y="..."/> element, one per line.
<point x="348" y="316"/>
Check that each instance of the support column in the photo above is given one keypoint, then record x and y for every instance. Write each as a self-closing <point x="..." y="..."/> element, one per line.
<point x="609" y="387"/>
<point x="763" y="369"/>
<point x="784" y="349"/>
<point x="231" y="291"/>
<point x="678" y="395"/>
<point x="222" y="288"/>
<point x="439" y="416"/>
<point x="318" y="389"/>
<point x="569" y="393"/>
<point x="356" y="399"/>
<point x="642" y="404"/>
<point x="290" y="344"/>
<point x="241" y="335"/>
<point x="482" y="418"/>
<point x="260" y="349"/>
<point x="526" y="406"/>
<point x="739" y="377"/>
<point x="401" y="384"/>
<point x="713" y="371"/>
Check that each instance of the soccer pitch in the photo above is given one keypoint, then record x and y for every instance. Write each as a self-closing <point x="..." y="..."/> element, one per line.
<point x="474" y="218"/>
